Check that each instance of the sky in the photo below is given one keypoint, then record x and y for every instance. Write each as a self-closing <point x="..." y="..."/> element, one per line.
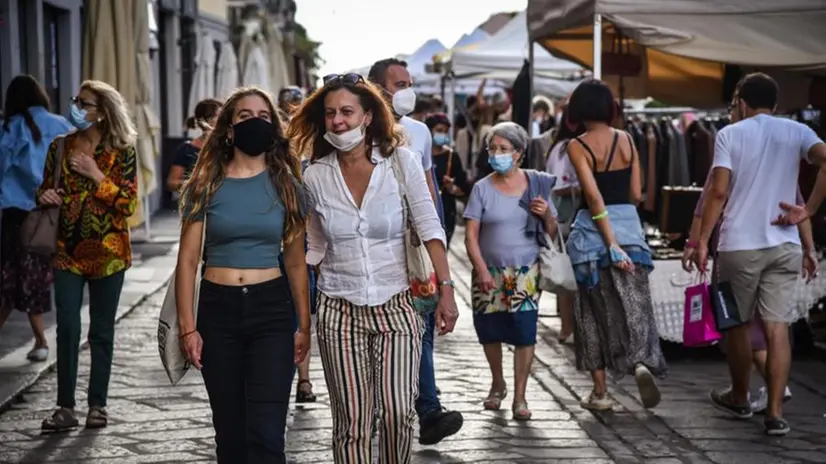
<point x="356" y="33"/>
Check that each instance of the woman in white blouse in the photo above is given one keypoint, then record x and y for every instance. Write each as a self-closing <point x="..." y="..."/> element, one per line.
<point x="369" y="333"/>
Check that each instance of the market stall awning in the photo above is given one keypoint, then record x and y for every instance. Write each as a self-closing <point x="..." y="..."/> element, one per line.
<point x="423" y="55"/>
<point x="685" y="43"/>
<point x="506" y="51"/>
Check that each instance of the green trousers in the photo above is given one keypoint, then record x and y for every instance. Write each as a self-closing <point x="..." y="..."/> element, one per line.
<point x="104" y="296"/>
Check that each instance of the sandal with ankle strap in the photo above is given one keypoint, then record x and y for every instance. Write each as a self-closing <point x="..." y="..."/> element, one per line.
<point x="304" y="395"/>
<point x="521" y="411"/>
<point x="494" y="400"/>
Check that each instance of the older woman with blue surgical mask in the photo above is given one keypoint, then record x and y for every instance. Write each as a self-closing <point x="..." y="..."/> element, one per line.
<point x="506" y="214"/>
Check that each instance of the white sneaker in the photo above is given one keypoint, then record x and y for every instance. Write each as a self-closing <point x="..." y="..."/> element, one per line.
<point x="647" y="386"/>
<point x="596" y="403"/>
<point x="38" y="354"/>
<point x="760" y="404"/>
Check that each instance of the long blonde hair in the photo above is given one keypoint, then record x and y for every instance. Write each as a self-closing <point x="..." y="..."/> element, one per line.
<point x="283" y="165"/>
<point x="116" y="128"/>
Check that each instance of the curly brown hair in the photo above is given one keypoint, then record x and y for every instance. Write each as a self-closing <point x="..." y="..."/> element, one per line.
<point x="284" y="167"/>
<point x="307" y="127"/>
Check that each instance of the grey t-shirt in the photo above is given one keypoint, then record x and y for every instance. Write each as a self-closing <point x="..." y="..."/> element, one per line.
<point x="503" y="235"/>
<point x="245" y="223"/>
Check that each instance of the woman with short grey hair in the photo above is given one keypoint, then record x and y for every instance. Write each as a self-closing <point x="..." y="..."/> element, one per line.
<point x="507" y="215"/>
<point x="514" y="134"/>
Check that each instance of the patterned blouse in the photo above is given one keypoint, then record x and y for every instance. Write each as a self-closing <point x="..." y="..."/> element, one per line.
<point x="93" y="239"/>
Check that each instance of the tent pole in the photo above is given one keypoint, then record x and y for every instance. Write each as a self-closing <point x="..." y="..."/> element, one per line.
<point x="597" y="46"/>
<point x="530" y="78"/>
<point x="450" y="101"/>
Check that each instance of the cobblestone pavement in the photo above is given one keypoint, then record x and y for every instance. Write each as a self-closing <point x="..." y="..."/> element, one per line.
<point x="16" y="332"/>
<point x="153" y="422"/>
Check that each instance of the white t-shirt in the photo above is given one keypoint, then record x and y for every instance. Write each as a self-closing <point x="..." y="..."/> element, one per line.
<point x="419" y="140"/>
<point x="763" y="154"/>
<point x="560" y="166"/>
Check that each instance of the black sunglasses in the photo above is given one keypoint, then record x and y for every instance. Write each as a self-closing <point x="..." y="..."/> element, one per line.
<point x="291" y="96"/>
<point x="346" y="79"/>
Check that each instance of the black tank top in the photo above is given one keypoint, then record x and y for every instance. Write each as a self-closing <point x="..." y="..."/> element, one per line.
<point x="614" y="186"/>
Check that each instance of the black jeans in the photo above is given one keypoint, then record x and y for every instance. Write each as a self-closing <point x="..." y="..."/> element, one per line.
<point x="248" y="334"/>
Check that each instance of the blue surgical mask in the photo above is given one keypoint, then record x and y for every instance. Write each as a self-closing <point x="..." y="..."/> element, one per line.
<point x="440" y="139"/>
<point x="501" y="163"/>
<point x="78" y="119"/>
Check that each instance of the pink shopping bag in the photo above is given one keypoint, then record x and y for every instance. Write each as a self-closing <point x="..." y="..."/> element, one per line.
<point x="699" y="327"/>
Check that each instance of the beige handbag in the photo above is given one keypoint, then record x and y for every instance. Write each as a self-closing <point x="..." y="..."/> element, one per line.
<point x="423" y="283"/>
<point x="39" y="230"/>
<point x="556" y="273"/>
<point x="169" y="332"/>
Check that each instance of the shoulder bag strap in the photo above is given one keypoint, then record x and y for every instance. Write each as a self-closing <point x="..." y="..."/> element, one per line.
<point x="449" y="170"/>
<point x="203" y="236"/>
<point x="57" y="171"/>
<point x="399" y="173"/>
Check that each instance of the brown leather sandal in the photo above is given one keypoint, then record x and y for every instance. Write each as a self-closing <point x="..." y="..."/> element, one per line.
<point x="97" y="418"/>
<point x="62" y="419"/>
<point x="304" y="395"/>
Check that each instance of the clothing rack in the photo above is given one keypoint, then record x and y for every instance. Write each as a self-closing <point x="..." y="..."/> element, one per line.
<point x="676" y="111"/>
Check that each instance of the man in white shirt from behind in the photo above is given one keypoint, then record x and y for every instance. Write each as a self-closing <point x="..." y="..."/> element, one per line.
<point x="756" y="167"/>
<point x="435" y="422"/>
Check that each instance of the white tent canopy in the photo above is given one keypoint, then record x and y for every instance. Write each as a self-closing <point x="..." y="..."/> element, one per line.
<point x="474" y="37"/>
<point x="423" y="55"/>
<point x="787" y="33"/>
<point x="505" y="52"/>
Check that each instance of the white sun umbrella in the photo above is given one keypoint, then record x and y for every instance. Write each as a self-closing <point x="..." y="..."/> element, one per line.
<point x="257" y="68"/>
<point x="227" y="79"/>
<point x="203" y="80"/>
<point x="279" y="68"/>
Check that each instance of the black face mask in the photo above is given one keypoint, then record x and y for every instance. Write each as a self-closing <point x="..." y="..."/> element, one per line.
<point x="253" y="136"/>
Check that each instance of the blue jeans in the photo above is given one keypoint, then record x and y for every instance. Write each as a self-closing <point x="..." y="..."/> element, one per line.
<point x="427" y="401"/>
<point x="440" y="208"/>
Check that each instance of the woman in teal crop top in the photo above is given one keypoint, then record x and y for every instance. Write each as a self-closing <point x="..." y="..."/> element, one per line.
<point x="246" y="188"/>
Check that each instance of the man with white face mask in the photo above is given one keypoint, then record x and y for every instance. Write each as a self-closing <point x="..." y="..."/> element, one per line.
<point x="391" y="74"/>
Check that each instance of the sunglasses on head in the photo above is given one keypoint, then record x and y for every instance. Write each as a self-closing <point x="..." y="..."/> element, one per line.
<point x="347" y="79"/>
<point x="291" y="96"/>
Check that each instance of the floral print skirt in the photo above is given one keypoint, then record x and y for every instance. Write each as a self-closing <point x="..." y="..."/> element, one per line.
<point x="25" y="278"/>
<point x="614" y="325"/>
<point x="508" y="313"/>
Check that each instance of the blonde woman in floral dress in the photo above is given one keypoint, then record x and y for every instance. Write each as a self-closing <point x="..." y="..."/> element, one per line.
<point x="506" y="214"/>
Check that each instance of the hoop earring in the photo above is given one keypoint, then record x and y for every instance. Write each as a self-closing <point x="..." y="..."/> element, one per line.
<point x="228" y="142"/>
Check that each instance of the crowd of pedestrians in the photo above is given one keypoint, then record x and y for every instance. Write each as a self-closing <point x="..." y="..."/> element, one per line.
<point x="304" y="211"/>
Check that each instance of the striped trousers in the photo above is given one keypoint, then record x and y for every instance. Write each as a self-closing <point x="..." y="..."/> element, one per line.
<point x="370" y="356"/>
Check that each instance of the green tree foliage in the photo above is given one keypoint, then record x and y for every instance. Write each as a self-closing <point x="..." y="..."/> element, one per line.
<point x="307" y="48"/>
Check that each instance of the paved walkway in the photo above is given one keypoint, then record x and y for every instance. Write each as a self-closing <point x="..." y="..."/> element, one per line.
<point x="153" y="263"/>
<point x="153" y="422"/>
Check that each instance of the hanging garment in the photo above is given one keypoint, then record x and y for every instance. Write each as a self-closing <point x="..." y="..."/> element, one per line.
<point x="651" y="171"/>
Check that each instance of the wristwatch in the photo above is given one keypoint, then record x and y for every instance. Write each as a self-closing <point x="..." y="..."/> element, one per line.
<point x="447" y="283"/>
